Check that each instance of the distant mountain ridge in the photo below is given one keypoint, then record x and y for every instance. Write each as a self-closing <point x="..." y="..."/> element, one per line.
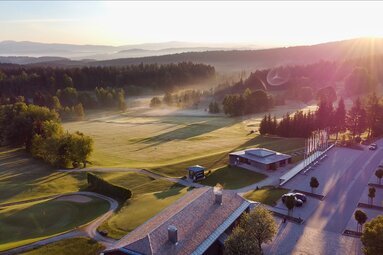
<point x="264" y="58"/>
<point x="224" y="59"/>
<point x="104" y="52"/>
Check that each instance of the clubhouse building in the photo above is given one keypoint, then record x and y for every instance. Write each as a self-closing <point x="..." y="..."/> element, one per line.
<point x="259" y="158"/>
<point x="197" y="223"/>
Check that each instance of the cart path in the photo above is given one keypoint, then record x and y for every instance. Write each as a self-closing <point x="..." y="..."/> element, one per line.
<point x="90" y="229"/>
<point x="87" y="230"/>
<point x="136" y="170"/>
<point x="270" y="180"/>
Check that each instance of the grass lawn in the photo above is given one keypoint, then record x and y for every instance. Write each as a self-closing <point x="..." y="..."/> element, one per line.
<point x="22" y="177"/>
<point x="138" y="183"/>
<point x="138" y="210"/>
<point x="266" y="195"/>
<point x="37" y="220"/>
<point x="149" y="142"/>
<point x="232" y="177"/>
<point x="150" y="196"/>
<point x="168" y="144"/>
<point x="78" y="245"/>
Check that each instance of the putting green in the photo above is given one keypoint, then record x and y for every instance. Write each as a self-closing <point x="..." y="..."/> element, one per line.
<point x="26" y="223"/>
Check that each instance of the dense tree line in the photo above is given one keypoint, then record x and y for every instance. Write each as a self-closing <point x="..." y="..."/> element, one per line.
<point x="39" y="130"/>
<point x="363" y="116"/>
<point x="184" y="99"/>
<point x="313" y="81"/>
<point x="70" y="103"/>
<point x="18" y="80"/>
<point x="246" y="103"/>
<point x="214" y="107"/>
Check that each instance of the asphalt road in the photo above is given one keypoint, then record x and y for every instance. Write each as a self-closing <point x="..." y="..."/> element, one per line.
<point x="334" y="212"/>
<point x="322" y="230"/>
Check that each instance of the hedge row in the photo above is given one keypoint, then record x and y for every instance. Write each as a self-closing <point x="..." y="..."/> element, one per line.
<point x="101" y="186"/>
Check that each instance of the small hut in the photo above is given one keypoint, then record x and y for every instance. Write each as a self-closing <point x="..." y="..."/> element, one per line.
<point x="196" y="172"/>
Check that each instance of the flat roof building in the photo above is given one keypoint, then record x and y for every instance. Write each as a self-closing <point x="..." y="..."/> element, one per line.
<point x="260" y="158"/>
<point x="197" y="223"/>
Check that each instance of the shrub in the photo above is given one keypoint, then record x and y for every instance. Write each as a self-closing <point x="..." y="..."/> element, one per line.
<point x="101" y="186"/>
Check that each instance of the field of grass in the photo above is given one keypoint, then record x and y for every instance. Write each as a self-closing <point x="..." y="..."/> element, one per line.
<point x="228" y="177"/>
<point x="138" y="210"/>
<point x="78" y="245"/>
<point x="165" y="144"/>
<point x="138" y="183"/>
<point x="22" y="177"/>
<point x="168" y="144"/>
<point x="149" y="142"/>
<point x="150" y="196"/>
<point x="33" y="221"/>
<point x="266" y="195"/>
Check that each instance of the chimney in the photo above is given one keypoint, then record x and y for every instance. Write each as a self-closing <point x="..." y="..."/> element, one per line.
<point x="218" y="194"/>
<point x="172" y="234"/>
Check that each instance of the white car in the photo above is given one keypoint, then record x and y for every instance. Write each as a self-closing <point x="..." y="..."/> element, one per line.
<point x="373" y="147"/>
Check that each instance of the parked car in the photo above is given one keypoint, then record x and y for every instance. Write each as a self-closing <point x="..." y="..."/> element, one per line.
<point x="373" y="147"/>
<point x="301" y="196"/>
<point x="298" y="202"/>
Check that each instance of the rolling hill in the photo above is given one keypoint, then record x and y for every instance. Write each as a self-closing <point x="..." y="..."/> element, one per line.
<point x="223" y="59"/>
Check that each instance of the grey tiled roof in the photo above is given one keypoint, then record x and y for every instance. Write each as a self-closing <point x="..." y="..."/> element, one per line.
<point x="197" y="218"/>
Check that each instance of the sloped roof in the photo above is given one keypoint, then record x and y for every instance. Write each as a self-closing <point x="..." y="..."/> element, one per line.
<point x="197" y="218"/>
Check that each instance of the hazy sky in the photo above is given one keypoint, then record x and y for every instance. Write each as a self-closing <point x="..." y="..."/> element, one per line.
<point x="118" y="23"/>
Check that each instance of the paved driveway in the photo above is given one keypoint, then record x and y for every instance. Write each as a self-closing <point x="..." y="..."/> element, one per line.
<point x="327" y="172"/>
<point x="345" y="175"/>
<point x="334" y="212"/>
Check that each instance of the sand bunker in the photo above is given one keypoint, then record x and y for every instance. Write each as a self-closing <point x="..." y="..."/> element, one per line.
<point x="75" y="198"/>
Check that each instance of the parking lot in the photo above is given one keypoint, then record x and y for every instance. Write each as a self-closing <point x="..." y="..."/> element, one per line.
<point x="343" y="177"/>
<point x="370" y="212"/>
<point x="328" y="171"/>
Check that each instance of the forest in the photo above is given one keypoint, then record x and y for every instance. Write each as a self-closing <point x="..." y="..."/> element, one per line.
<point x="365" y="115"/>
<point x="353" y="76"/>
<point x="17" y="80"/>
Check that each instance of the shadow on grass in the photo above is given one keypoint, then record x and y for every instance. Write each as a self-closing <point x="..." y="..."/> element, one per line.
<point x="190" y="130"/>
<point x="266" y="195"/>
<point x="232" y="177"/>
<point x="172" y="191"/>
